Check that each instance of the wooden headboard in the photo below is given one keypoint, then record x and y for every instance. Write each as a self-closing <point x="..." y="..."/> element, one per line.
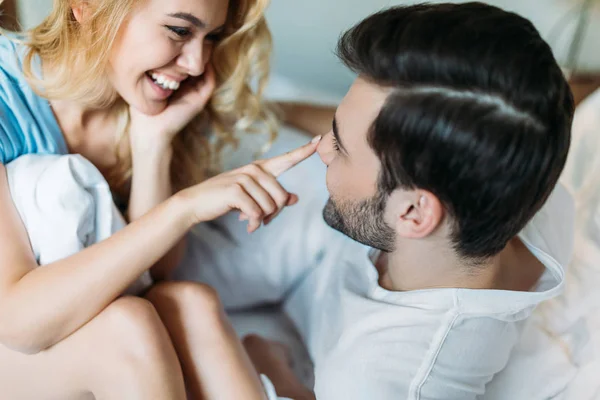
<point x="8" y="15"/>
<point x="583" y="85"/>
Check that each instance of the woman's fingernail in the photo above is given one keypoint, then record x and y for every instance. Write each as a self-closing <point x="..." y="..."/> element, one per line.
<point x="316" y="139"/>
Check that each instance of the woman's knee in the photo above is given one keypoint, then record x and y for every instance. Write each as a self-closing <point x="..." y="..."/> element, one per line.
<point x="134" y="351"/>
<point x="186" y="294"/>
<point x="188" y="299"/>
<point x="134" y="327"/>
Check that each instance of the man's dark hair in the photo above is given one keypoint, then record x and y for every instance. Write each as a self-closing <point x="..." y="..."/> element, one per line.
<point x="479" y="113"/>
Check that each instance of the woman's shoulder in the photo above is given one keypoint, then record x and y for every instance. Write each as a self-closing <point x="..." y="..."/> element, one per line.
<point x="27" y="124"/>
<point x="12" y="51"/>
<point x="9" y="43"/>
<point x="11" y="54"/>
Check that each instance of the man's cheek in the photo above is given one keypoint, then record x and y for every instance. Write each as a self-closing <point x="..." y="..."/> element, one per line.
<point x="335" y="182"/>
<point x="329" y="180"/>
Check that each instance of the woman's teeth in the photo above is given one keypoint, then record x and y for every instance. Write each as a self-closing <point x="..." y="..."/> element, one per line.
<point x="164" y="82"/>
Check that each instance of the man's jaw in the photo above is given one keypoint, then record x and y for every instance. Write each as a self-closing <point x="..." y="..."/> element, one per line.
<point x="361" y="222"/>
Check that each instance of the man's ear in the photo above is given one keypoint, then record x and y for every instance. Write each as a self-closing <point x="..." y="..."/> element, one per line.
<point x="417" y="213"/>
<point x="79" y="8"/>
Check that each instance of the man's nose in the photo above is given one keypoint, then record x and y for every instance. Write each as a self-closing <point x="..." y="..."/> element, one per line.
<point x="325" y="149"/>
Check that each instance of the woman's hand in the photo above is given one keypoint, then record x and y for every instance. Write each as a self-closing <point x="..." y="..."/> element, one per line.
<point x="148" y="132"/>
<point x="252" y="189"/>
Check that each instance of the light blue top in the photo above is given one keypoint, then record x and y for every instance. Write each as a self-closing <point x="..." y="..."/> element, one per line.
<point x="27" y="124"/>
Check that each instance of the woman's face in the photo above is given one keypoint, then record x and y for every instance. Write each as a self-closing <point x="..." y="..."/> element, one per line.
<point x="160" y="46"/>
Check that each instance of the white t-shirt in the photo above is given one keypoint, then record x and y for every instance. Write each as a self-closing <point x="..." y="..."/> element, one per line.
<point x="370" y="343"/>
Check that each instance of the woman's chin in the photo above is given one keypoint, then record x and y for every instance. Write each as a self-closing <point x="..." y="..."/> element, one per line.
<point x="150" y="108"/>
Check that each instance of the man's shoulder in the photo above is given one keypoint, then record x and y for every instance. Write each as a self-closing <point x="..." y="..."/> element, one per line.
<point x="452" y="355"/>
<point x="552" y="229"/>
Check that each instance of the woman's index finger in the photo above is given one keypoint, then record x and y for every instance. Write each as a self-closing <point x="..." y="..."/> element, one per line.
<point x="279" y="164"/>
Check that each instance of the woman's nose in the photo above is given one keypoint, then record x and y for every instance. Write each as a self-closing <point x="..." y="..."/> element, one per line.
<point x="192" y="59"/>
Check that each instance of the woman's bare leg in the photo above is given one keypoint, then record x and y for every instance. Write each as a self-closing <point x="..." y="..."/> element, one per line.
<point x="123" y="353"/>
<point x="272" y="359"/>
<point x="214" y="362"/>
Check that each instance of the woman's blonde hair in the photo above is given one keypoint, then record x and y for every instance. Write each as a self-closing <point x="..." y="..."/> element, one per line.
<point x="78" y="55"/>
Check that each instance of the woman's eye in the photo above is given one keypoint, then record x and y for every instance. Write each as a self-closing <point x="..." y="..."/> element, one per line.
<point x="214" y="37"/>
<point x="179" y="31"/>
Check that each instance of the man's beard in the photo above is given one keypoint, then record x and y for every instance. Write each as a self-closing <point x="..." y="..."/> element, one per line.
<point x="362" y="221"/>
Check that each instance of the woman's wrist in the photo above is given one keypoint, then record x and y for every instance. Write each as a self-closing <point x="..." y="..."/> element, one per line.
<point x="150" y="184"/>
<point x="152" y="167"/>
<point x="152" y="151"/>
<point x="180" y="208"/>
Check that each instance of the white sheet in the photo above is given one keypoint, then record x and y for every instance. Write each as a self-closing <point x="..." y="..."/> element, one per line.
<point x="65" y="205"/>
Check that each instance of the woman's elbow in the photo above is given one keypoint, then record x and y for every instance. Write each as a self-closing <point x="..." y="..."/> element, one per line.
<point x="22" y="338"/>
<point x="30" y="349"/>
<point x="28" y="346"/>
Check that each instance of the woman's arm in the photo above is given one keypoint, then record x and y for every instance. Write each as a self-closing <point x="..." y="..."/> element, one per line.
<point x="312" y="119"/>
<point x="41" y="306"/>
<point x="150" y="139"/>
<point x="151" y="186"/>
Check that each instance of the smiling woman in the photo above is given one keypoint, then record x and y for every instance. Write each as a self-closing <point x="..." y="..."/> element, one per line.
<point x="139" y="88"/>
<point x="122" y="54"/>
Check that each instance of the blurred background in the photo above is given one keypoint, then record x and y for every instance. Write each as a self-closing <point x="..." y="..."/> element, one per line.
<point x="305" y="33"/>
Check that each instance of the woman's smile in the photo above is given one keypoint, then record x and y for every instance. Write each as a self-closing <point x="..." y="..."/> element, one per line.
<point x="163" y="86"/>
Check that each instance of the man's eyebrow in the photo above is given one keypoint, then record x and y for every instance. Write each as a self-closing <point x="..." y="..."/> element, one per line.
<point x="337" y="135"/>
<point x="192" y="19"/>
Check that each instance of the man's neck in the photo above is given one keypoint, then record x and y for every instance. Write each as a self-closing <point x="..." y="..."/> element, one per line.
<point x="428" y="265"/>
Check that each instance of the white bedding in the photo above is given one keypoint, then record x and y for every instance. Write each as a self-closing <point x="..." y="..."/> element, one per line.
<point x="559" y="354"/>
<point x="574" y="319"/>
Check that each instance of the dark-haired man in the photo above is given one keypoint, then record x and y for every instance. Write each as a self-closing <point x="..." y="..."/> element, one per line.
<point x="439" y="161"/>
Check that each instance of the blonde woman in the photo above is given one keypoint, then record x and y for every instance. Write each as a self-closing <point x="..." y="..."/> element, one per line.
<point x="134" y="86"/>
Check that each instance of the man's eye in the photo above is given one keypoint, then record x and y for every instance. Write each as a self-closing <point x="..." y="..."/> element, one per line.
<point x="335" y="144"/>
<point x="179" y="31"/>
